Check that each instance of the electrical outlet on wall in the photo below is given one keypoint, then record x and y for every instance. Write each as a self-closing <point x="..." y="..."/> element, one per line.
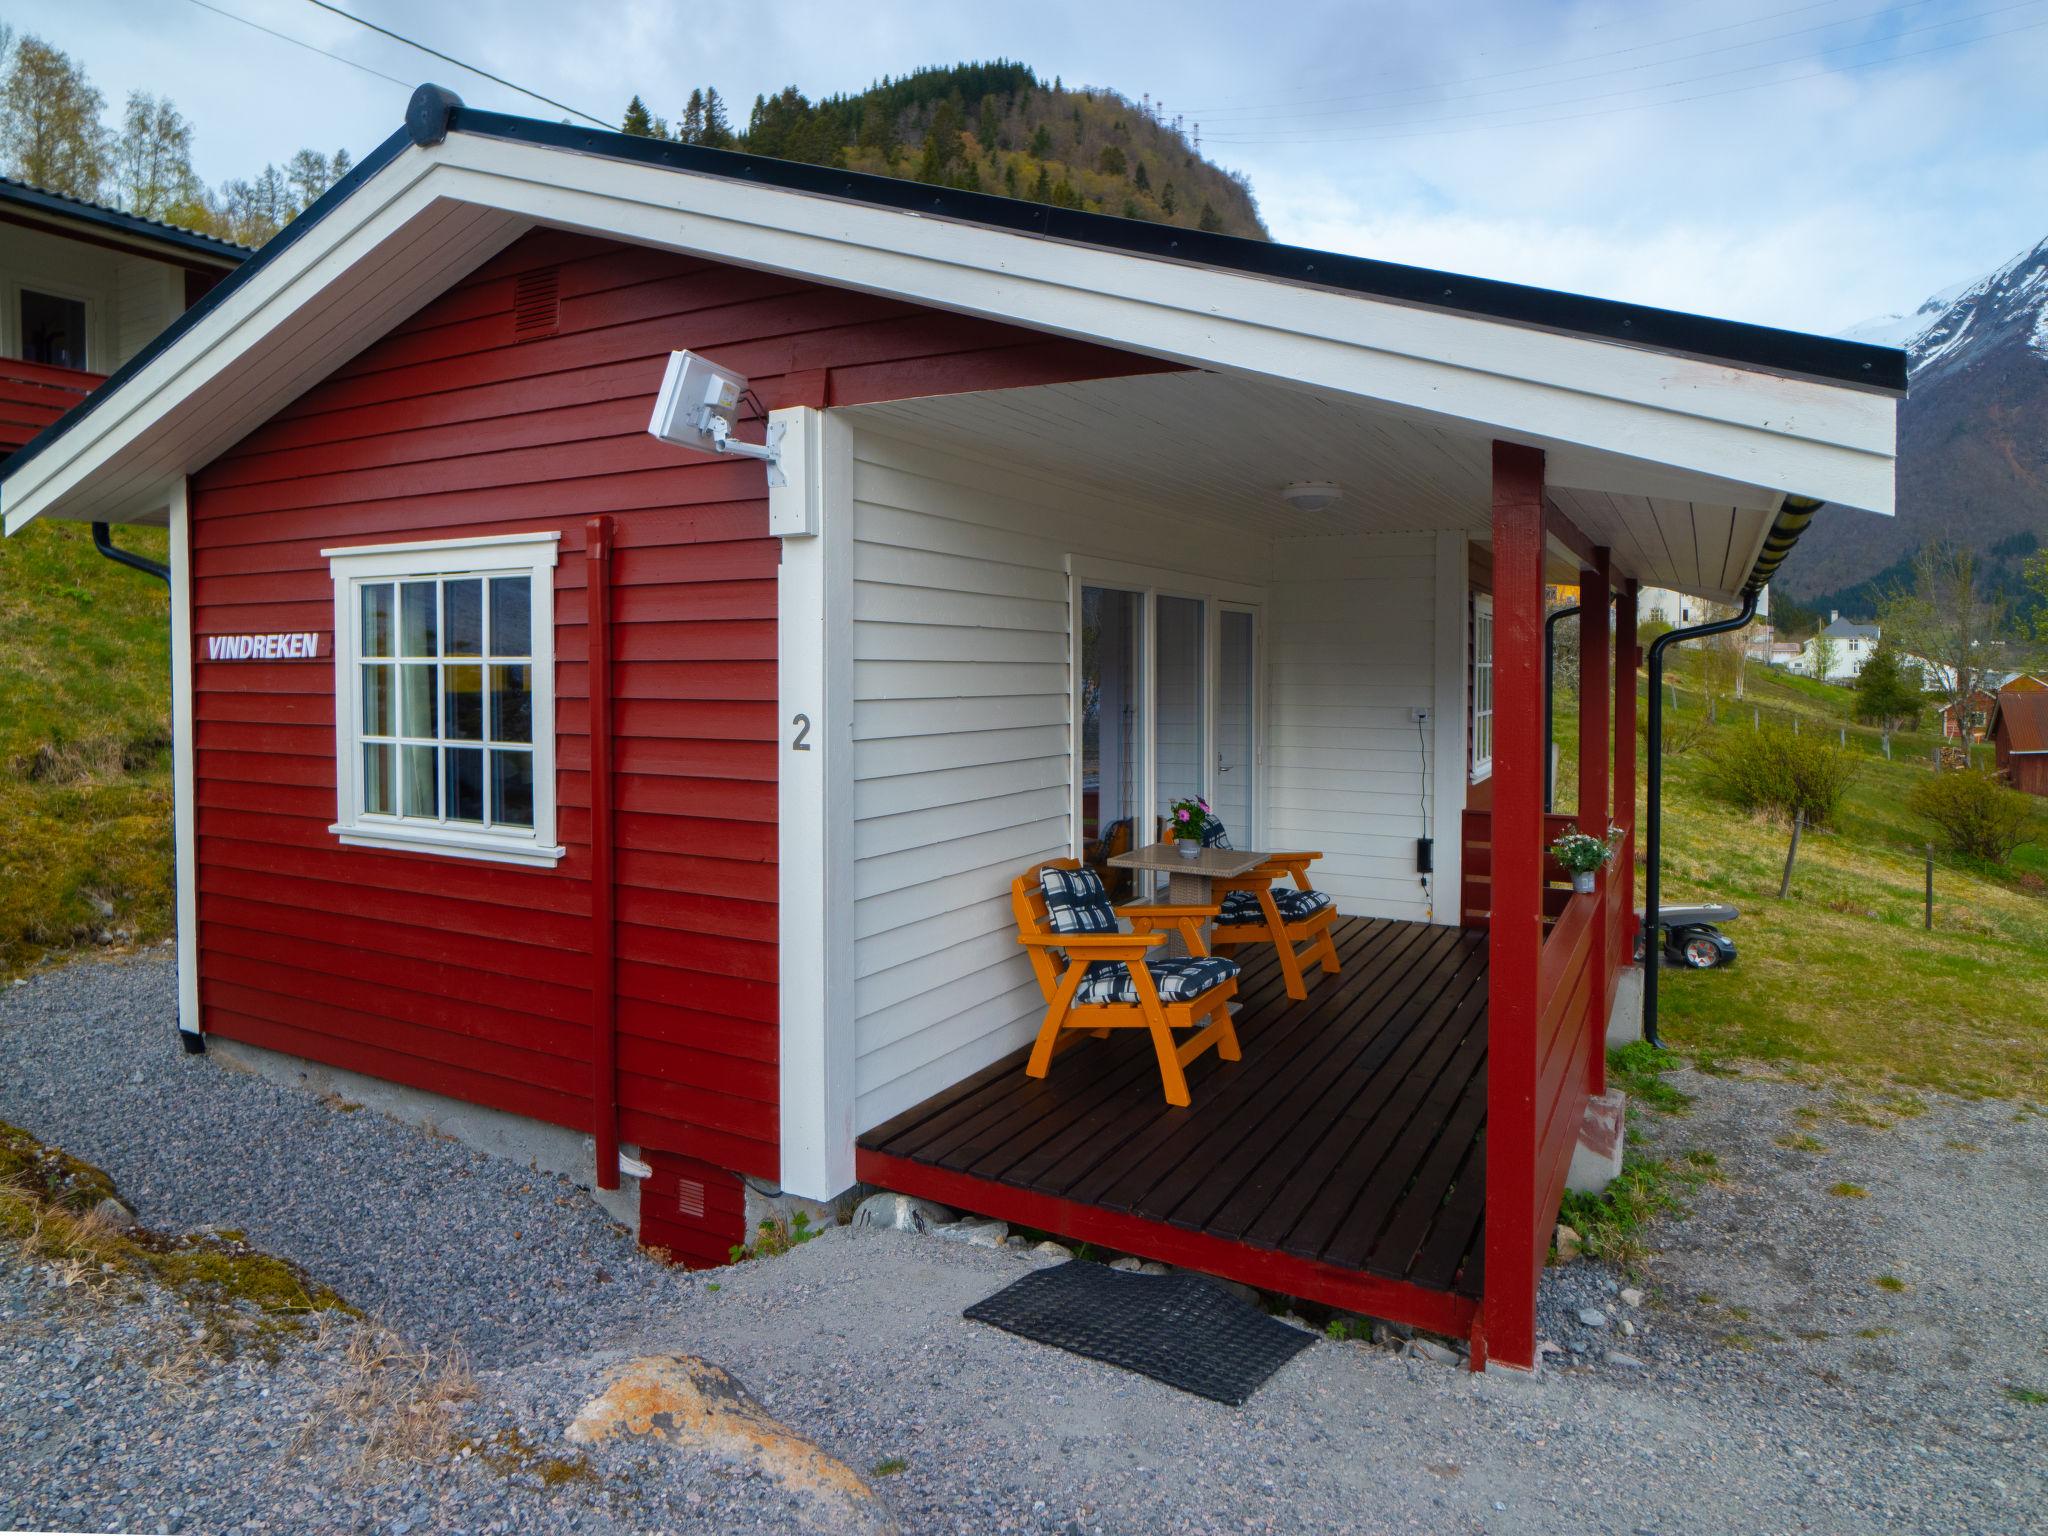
<point x="1421" y="715"/>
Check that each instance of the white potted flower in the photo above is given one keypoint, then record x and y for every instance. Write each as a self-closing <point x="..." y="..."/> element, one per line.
<point x="1584" y="855"/>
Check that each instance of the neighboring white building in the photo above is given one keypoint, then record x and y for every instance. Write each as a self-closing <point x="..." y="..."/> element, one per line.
<point x="1850" y="645"/>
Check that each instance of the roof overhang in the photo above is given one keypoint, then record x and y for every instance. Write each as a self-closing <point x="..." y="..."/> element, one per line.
<point x="415" y="217"/>
<point x="52" y="213"/>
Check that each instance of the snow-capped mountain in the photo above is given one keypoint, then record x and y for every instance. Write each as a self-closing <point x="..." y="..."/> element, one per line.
<point x="1973" y="437"/>
<point x="1945" y="331"/>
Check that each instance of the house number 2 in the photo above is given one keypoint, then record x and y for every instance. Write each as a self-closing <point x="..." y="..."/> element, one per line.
<point x="803" y="733"/>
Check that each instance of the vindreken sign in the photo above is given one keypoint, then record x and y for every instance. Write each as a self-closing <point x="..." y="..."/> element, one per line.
<point x="298" y="645"/>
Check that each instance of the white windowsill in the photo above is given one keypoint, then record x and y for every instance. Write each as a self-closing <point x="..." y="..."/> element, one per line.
<point x="455" y="844"/>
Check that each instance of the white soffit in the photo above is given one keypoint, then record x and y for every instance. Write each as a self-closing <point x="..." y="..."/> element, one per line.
<point x="1218" y="447"/>
<point x="434" y="214"/>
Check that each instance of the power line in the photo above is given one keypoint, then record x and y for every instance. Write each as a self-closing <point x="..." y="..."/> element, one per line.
<point x="1429" y="129"/>
<point x="449" y="58"/>
<point x="1249" y="117"/>
<point x="1733" y="90"/>
<point x="285" y="37"/>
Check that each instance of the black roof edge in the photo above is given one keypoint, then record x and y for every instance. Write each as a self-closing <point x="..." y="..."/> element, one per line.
<point x="1825" y="358"/>
<point x="134" y="225"/>
<point x="212" y="299"/>
<point x="435" y="111"/>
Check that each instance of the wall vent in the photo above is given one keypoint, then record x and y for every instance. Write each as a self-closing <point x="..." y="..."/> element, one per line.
<point x="690" y="1198"/>
<point x="536" y="304"/>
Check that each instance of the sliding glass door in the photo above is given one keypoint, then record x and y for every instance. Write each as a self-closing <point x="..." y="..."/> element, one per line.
<point x="1166" y="707"/>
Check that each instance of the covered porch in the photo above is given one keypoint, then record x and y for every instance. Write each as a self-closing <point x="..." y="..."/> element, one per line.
<point x="1343" y="1159"/>
<point x="1075" y="603"/>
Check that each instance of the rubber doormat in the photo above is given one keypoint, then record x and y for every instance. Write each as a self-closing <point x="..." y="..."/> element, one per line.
<point x="1182" y="1329"/>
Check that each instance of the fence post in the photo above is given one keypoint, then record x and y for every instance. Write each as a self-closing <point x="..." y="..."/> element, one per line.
<point x="1756" y="721"/>
<point x="1792" y="854"/>
<point x="1795" y="725"/>
<point x="1843" y="731"/>
<point x="1930" y="887"/>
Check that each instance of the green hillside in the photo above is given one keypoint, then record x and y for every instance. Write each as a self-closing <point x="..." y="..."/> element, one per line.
<point x="85" y="766"/>
<point x="985" y="128"/>
<point x="1843" y="975"/>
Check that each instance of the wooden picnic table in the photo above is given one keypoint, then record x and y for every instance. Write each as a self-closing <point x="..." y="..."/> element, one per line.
<point x="1189" y="881"/>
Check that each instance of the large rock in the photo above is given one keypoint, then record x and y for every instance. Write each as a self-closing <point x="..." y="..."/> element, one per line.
<point x="978" y="1231"/>
<point x="901" y="1213"/>
<point x="697" y="1407"/>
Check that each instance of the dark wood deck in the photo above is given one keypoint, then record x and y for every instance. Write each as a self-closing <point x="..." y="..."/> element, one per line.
<point x="1350" y="1138"/>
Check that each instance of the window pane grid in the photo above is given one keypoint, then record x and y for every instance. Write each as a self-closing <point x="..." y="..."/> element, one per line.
<point x="446" y="721"/>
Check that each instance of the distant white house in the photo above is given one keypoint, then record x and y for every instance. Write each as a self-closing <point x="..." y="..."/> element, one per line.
<point x="1848" y="644"/>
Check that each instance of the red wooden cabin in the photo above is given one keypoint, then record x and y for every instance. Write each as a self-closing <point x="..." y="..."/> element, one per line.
<point x="529" y="761"/>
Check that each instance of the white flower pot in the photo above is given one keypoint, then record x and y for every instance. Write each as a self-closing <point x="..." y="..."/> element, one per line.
<point x="1190" y="848"/>
<point x="1582" y="880"/>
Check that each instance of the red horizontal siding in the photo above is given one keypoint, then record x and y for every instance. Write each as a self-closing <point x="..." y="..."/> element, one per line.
<point x="473" y="979"/>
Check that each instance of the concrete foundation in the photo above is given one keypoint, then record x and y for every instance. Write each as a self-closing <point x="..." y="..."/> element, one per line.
<point x="544" y="1148"/>
<point x="1596" y="1160"/>
<point x="1625" y="1023"/>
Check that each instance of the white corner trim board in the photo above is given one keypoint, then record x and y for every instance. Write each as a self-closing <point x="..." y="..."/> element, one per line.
<point x="184" y="757"/>
<point x="1449" y="782"/>
<point x="433" y="214"/>
<point x="814" y="671"/>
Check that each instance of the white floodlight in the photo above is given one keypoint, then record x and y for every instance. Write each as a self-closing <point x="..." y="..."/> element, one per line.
<point x="697" y="406"/>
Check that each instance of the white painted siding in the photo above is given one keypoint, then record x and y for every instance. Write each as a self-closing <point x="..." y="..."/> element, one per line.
<point x="129" y="298"/>
<point x="961" y="757"/>
<point x="1350" y="640"/>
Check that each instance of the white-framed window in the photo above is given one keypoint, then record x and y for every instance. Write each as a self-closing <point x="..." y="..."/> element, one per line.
<point x="1482" y="686"/>
<point x="444" y="696"/>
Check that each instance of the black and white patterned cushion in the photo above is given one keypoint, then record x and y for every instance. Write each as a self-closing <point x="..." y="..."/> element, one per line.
<point x="1216" y="835"/>
<point x="1075" y="901"/>
<point x="1295" y="906"/>
<point x="1178" y="981"/>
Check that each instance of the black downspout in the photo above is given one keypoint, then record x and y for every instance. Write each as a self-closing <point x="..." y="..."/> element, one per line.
<point x="103" y="541"/>
<point x="1653" y="748"/>
<point x="1550" y="705"/>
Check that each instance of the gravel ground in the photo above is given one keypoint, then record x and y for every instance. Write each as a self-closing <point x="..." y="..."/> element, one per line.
<point x="1780" y="1388"/>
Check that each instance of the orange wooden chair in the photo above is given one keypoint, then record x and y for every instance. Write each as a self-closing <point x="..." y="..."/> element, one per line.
<point x="1112" y="980"/>
<point x="1255" y="909"/>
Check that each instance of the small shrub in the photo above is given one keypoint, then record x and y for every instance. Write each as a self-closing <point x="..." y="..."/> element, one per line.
<point x="1776" y="771"/>
<point x="1974" y="813"/>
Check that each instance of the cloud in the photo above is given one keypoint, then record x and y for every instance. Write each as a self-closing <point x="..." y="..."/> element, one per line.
<point x="1811" y="204"/>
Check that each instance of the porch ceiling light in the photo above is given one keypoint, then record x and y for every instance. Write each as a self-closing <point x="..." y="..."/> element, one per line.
<point x="1312" y="495"/>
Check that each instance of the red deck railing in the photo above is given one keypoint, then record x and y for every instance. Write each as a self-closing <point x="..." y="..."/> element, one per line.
<point x="32" y="395"/>
<point x="1555" y="954"/>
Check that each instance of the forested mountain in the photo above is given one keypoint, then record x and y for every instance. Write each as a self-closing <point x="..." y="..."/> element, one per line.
<point x="992" y="127"/>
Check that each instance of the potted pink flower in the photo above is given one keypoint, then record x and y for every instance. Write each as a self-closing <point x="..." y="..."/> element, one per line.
<point x="1190" y="821"/>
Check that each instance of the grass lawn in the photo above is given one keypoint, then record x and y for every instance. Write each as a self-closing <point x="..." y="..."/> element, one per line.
<point x="1842" y="975"/>
<point x="85" y="765"/>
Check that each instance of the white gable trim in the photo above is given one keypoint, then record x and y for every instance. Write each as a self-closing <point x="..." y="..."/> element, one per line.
<point x="413" y="229"/>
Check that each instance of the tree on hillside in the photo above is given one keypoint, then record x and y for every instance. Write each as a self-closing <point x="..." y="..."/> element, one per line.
<point x="51" y="135"/>
<point x="1824" y="652"/>
<point x="2035" y="574"/>
<point x="638" y="121"/>
<point x="1944" y="618"/>
<point x="717" y="131"/>
<point x="153" y="159"/>
<point x="1885" y="696"/>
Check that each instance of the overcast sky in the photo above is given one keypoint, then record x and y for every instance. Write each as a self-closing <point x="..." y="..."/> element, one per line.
<point x="1784" y="161"/>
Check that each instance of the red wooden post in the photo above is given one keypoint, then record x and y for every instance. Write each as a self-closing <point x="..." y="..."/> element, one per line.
<point x="1626" y="660"/>
<point x="1594" y="800"/>
<point x="1515" y="1249"/>
<point x="604" y="1076"/>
